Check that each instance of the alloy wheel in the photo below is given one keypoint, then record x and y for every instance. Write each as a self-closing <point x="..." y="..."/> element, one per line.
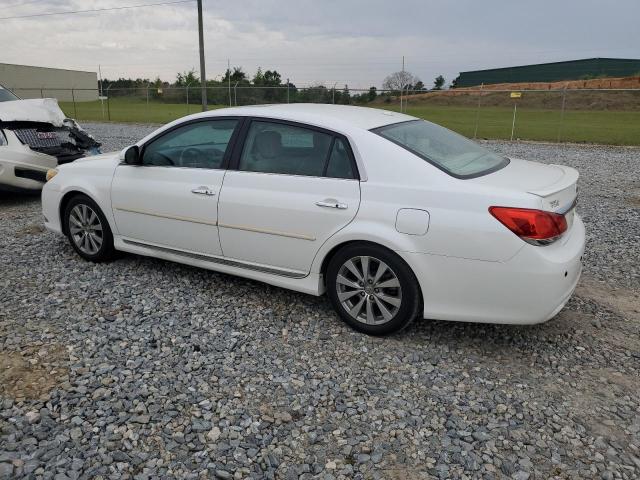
<point x="86" y="229"/>
<point x="369" y="290"/>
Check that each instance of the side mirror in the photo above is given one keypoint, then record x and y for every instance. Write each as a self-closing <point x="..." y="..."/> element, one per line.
<point x="131" y="155"/>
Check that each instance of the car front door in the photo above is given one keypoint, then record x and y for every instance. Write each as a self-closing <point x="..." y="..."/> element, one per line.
<point x="289" y="189"/>
<point x="171" y="199"/>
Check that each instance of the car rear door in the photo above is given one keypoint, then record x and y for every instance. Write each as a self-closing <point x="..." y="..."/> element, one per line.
<point x="289" y="189"/>
<point x="171" y="199"/>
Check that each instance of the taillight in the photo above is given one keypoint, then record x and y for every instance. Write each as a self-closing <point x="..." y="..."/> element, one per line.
<point x="533" y="226"/>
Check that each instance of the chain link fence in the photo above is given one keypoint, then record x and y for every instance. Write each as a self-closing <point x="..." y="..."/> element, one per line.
<point x="605" y="116"/>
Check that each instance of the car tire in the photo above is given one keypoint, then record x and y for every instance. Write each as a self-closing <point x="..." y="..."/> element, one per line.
<point x="372" y="289"/>
<point x="88" y="230"/>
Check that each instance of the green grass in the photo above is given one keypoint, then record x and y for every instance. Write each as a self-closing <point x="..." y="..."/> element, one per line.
<point x="131" y="110"/>
<point x="589" y="126"/>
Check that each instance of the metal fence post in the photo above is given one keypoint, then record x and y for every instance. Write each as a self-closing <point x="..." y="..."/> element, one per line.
<point x="73" y="97"/>
<point x="513" y="124"/>
<point x="235" y="94"/>
<point x="147" y="108"/>
<point x="475" y="131"/>
<point x="41" y="94"/>
<point x="108" y="102"/>
<point x="564" y="98"/>
<point x="287" y="90"/>
<point x="188" y="85"/>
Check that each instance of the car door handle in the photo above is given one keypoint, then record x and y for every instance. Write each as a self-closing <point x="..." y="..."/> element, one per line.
<point x="332" y="204"/>
<point x="203" y="191"/>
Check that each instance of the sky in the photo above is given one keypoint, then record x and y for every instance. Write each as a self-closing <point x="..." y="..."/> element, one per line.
<point x="352" y="42"/>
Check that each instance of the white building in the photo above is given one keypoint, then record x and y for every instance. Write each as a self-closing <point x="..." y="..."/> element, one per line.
<point x="38" y="82"/>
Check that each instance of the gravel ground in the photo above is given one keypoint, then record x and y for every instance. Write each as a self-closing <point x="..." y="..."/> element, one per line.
<point x="143" y="368"/>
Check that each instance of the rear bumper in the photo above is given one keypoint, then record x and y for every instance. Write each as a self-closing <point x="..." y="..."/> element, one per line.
<point x="530" y="288"/>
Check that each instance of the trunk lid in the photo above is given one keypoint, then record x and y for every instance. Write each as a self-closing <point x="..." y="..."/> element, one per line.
<point x="556" y="185"/>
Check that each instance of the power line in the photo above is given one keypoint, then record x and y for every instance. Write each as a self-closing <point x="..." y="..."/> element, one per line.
<point x="96" y="10"/>
<point x="21" y="4"/>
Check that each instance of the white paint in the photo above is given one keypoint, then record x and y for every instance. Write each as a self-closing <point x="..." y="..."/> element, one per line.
<point x="44" y="110"/>
<point x="286" y="204"/>
<point x="412" y="221"/>
<point x="155" y="204"/>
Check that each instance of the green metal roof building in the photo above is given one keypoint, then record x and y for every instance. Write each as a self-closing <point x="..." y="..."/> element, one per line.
<point x="552" y="72"/>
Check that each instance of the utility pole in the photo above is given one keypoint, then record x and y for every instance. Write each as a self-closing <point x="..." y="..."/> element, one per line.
<point x="203" y="75"/>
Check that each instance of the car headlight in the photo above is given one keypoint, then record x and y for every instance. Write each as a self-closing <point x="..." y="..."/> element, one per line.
<point x="3" y="139"/>
<point x="52" y="172"/>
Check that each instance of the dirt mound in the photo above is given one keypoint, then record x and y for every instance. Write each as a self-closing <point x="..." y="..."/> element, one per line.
<point x="535" y="95"/>
<point x="623" y="82"/>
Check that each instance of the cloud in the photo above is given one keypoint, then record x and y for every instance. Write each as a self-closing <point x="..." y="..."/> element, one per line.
<point x="345" y="42"/>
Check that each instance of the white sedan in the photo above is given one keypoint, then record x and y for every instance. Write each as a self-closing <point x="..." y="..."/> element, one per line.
<point x="393" y="217"/>
<point x="35" y="136"/>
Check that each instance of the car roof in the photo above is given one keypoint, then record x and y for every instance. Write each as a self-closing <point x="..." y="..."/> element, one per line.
<point x="321" y="115"/>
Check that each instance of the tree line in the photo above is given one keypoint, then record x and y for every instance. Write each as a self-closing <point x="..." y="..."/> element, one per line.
<point x="235" y="86"/>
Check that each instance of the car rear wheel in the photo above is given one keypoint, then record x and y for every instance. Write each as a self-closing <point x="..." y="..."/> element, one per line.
<point x="372" y="289"/>
<point x="88" y="230"/>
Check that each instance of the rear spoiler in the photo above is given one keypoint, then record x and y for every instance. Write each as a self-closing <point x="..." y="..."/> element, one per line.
<point x="561" y="196"/>
<point x="569" y="178"/>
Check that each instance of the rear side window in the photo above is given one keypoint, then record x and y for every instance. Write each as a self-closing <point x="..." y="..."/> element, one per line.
<point x="339" y="165"/>
<point x="447" y="150"/>
<point x="272" y="147"/>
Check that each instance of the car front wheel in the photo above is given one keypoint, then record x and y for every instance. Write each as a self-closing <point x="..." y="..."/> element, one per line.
<point x="88" y="230"/>
<point x="372" y="289"/>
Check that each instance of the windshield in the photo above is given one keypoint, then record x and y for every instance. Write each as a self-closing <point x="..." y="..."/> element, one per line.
<point x="6" y="95"/>
<point x="453" y="153"/>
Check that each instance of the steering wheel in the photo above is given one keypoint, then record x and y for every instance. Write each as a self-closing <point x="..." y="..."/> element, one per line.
<point x="217" y="153"/>
<point x="190" y="156"/>
<point x="163" y="157"/>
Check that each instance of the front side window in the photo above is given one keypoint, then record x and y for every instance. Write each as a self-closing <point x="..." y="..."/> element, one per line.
<point x="196" y="145"/>
<point x="286" y="149"/>
<point x="447" y="150"/>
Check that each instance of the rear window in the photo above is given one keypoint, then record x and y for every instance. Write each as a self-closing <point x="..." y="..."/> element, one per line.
<point x="456" y="155"/>
<point x="7" y="95"/>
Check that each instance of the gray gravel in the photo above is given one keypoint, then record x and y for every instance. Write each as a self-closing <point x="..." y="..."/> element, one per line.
<point x="142" y="368"/>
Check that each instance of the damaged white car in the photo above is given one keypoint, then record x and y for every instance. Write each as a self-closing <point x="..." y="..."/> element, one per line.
<point x="35" y="136"/>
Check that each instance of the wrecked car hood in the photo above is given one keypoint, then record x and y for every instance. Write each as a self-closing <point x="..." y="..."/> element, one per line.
<point x="44" y="110"/>
<point x="41" y="125"/>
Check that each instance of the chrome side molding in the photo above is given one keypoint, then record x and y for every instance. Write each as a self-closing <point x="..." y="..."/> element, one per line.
<point x="219" y="260"/>
<point x="169" y="217"/>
